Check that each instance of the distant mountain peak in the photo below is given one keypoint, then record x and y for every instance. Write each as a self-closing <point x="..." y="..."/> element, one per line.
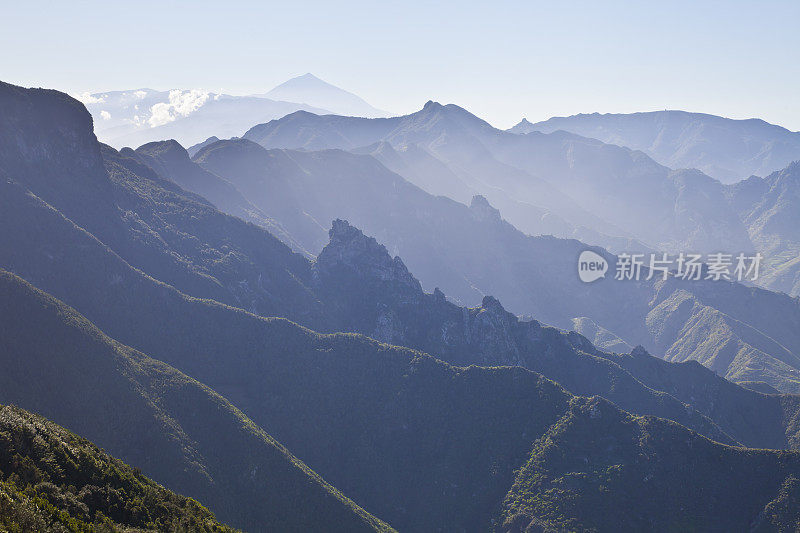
<point x="311" y="90"/>
<point x="305" y="80"/>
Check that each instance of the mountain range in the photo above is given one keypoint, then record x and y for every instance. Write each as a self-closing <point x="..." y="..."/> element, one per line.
<point x="51" y="480"/>
<point x="216" y="322"/>
<point x="726" y="149"/>
<point x="471" y="251"/>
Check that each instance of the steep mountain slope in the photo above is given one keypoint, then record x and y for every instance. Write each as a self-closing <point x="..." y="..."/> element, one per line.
<point x="430" y="402"/>
<point x="169" y="158"/>
<point x="404" y="408"/>
<point x="308" y="89"/>
<point x="53" y="480"/>
<point x="769" y="208"/>
<point x="135" y="117"/>
<point x="726" y="149"/>
<point x="93" y="282"/>
<point x="350" y="407"/>
<point x="177" y="430"/>
<point x="340" y="399"/>
<point x="176" y="236"/>
<point x="472" y="252"/>
<point x="599" y="469"/>
<point x="376" y="295"/>
<point x="180" y="239"/>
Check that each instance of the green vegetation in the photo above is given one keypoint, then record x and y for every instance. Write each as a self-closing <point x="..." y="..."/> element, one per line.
<point x="53" y="480"/>
<point x="599" y="469"/>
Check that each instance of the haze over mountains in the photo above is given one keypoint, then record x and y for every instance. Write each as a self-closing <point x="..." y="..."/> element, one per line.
<point x="559" y="184"/>
<point x="160" y="305"/>
<point x="725" y="149"/>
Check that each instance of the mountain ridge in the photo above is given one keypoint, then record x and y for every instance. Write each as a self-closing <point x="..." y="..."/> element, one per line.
<point x="688" y="140"/>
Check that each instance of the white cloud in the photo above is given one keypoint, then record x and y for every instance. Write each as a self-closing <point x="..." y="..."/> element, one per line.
<point x="181" y="104"/>
<point x="140" y="94"/>
<point x="88" y="98"/>
<point x="105" y="114"/>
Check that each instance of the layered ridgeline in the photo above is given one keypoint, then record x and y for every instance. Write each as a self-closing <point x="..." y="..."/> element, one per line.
<point x="361" y="409"/>
<point x="606" y="188"/>
<point x="99" y="283"/>
<point x="353" y="409"/>
<point x="179" y="237"/>
<point x="729" y="150"/>
<point x="741" y="333"/>
<point x="170" y="159"/>
<point x="375" y="294"/>
<point x="420" y="413"/>
<point x="51" y="480"/>
<point x="770" y="208"/>
<point x="178" y="431"/>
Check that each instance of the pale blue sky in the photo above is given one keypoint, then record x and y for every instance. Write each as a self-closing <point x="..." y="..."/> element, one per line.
<point x="500" y="60"/>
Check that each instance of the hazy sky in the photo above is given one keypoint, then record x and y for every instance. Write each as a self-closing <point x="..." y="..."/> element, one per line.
<point x="500" y="60"/>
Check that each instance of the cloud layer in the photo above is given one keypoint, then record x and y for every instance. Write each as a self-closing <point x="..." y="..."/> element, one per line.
<point x="181" y="104"/>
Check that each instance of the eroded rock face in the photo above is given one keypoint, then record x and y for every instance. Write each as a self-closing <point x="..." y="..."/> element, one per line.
<point x="370" y="292"/>
<point x="350" y="249"/>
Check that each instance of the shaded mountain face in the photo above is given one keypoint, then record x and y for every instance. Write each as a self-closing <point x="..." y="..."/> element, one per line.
<point x="351" y="408"/>
<point x="129" y="207"/>
<point x="308" y="89"/>
<point x="169" y="158"/>
<point x="177" y="430"/>
<point x="470" y="252"/>
<point x="770" y="208"/>
<point x="135" y="117"/>
<point x="77" y="283"/>
<point x="728" y="150"/>
<point x="427" y="396"/>
<point x="602" y="192"/>
<point x="599" y="469"/>
<point x="52" y="480"/>
<point x="374" y="294"/>
<point x="400" y="398"/>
